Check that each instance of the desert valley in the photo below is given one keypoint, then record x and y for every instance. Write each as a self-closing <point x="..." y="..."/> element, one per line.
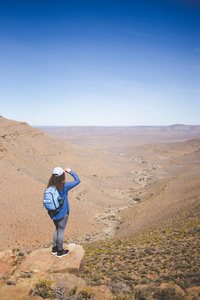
<point x="137" y="184"/>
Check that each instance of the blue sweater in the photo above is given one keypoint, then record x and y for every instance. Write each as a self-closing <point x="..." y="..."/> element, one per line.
<point x="64" y="194"/>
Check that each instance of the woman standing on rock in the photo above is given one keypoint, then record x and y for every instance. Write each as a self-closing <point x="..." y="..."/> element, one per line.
<point x="60" y="219"/>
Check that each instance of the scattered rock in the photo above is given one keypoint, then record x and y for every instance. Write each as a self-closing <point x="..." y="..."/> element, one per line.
<point x="41" y="273"/>
<point x="100" y="292"/>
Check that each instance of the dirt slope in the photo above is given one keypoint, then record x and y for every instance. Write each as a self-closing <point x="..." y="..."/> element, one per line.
<point x="116" y="176"/>
<point x="160" y="166"/>
<point x="174" y="197"/>
<point x="28" y="156"/>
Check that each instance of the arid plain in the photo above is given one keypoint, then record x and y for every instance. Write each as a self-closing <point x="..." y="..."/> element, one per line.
<point x="133" y="178"/>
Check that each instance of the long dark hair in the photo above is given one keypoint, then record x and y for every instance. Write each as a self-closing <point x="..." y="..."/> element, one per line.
<point x="57" y="181"/>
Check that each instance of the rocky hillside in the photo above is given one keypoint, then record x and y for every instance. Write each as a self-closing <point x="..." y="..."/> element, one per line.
<point x="27" y="157"/>
<point x="155" y="251"/>
<point x="139" y="211"/>
<point x="38" y="274"/>
<point x="171" y="198"/>
<point x="115" y="179"/>
<point x="160" y="264"/>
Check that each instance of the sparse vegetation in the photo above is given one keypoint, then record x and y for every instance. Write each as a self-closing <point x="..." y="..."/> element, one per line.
<point x="85" y="295"/>
<point x="44" y="290"/>
<point x="73" y="291"/>
<point x="164" y="255"/>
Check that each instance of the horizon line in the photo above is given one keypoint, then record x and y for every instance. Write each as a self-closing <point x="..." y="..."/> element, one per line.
<point x="175" y="124"/>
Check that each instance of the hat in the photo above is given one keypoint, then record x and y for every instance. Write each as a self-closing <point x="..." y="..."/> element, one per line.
<point x="58" y="171"/>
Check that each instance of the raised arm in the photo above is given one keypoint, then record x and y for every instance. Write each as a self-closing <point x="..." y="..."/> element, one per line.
<point x="71" y="184"/>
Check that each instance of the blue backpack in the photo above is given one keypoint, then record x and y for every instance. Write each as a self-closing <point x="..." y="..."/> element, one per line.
<point x="52" y="200"/>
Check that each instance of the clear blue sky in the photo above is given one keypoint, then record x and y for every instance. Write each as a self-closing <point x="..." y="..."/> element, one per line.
<point x="100" y="62"/>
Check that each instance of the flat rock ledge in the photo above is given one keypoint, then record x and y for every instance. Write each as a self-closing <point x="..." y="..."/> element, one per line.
<point x="41" y="262"/>
<point x="18" y="282"/>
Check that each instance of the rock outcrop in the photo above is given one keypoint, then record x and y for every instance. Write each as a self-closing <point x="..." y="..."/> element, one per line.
<point x="193" y="293"/>
<point x="41" y="272"/>
<point x="169" y="291"/>
<point x="41" y="263"/>
<point x="7" y="262"/>
<point x="41" y="275"/>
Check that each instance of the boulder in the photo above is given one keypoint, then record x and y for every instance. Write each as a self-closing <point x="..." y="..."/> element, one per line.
<point x="7" y="261"/>
<point x="67" y="284"/>
<point x="193" y="293"/>
<point x="8" y="257"/>
<point x="168" y="291"/>
<point x="96" y="293"/>
<point x="41" y="262"/>
<point x="6" y="271"/>
<point x="42" y="271"/>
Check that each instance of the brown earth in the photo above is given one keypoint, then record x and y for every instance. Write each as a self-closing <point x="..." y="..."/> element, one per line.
<point x="28" y="156"/>
<point x="160" y="166"/>
<point x="138" y="178"/>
